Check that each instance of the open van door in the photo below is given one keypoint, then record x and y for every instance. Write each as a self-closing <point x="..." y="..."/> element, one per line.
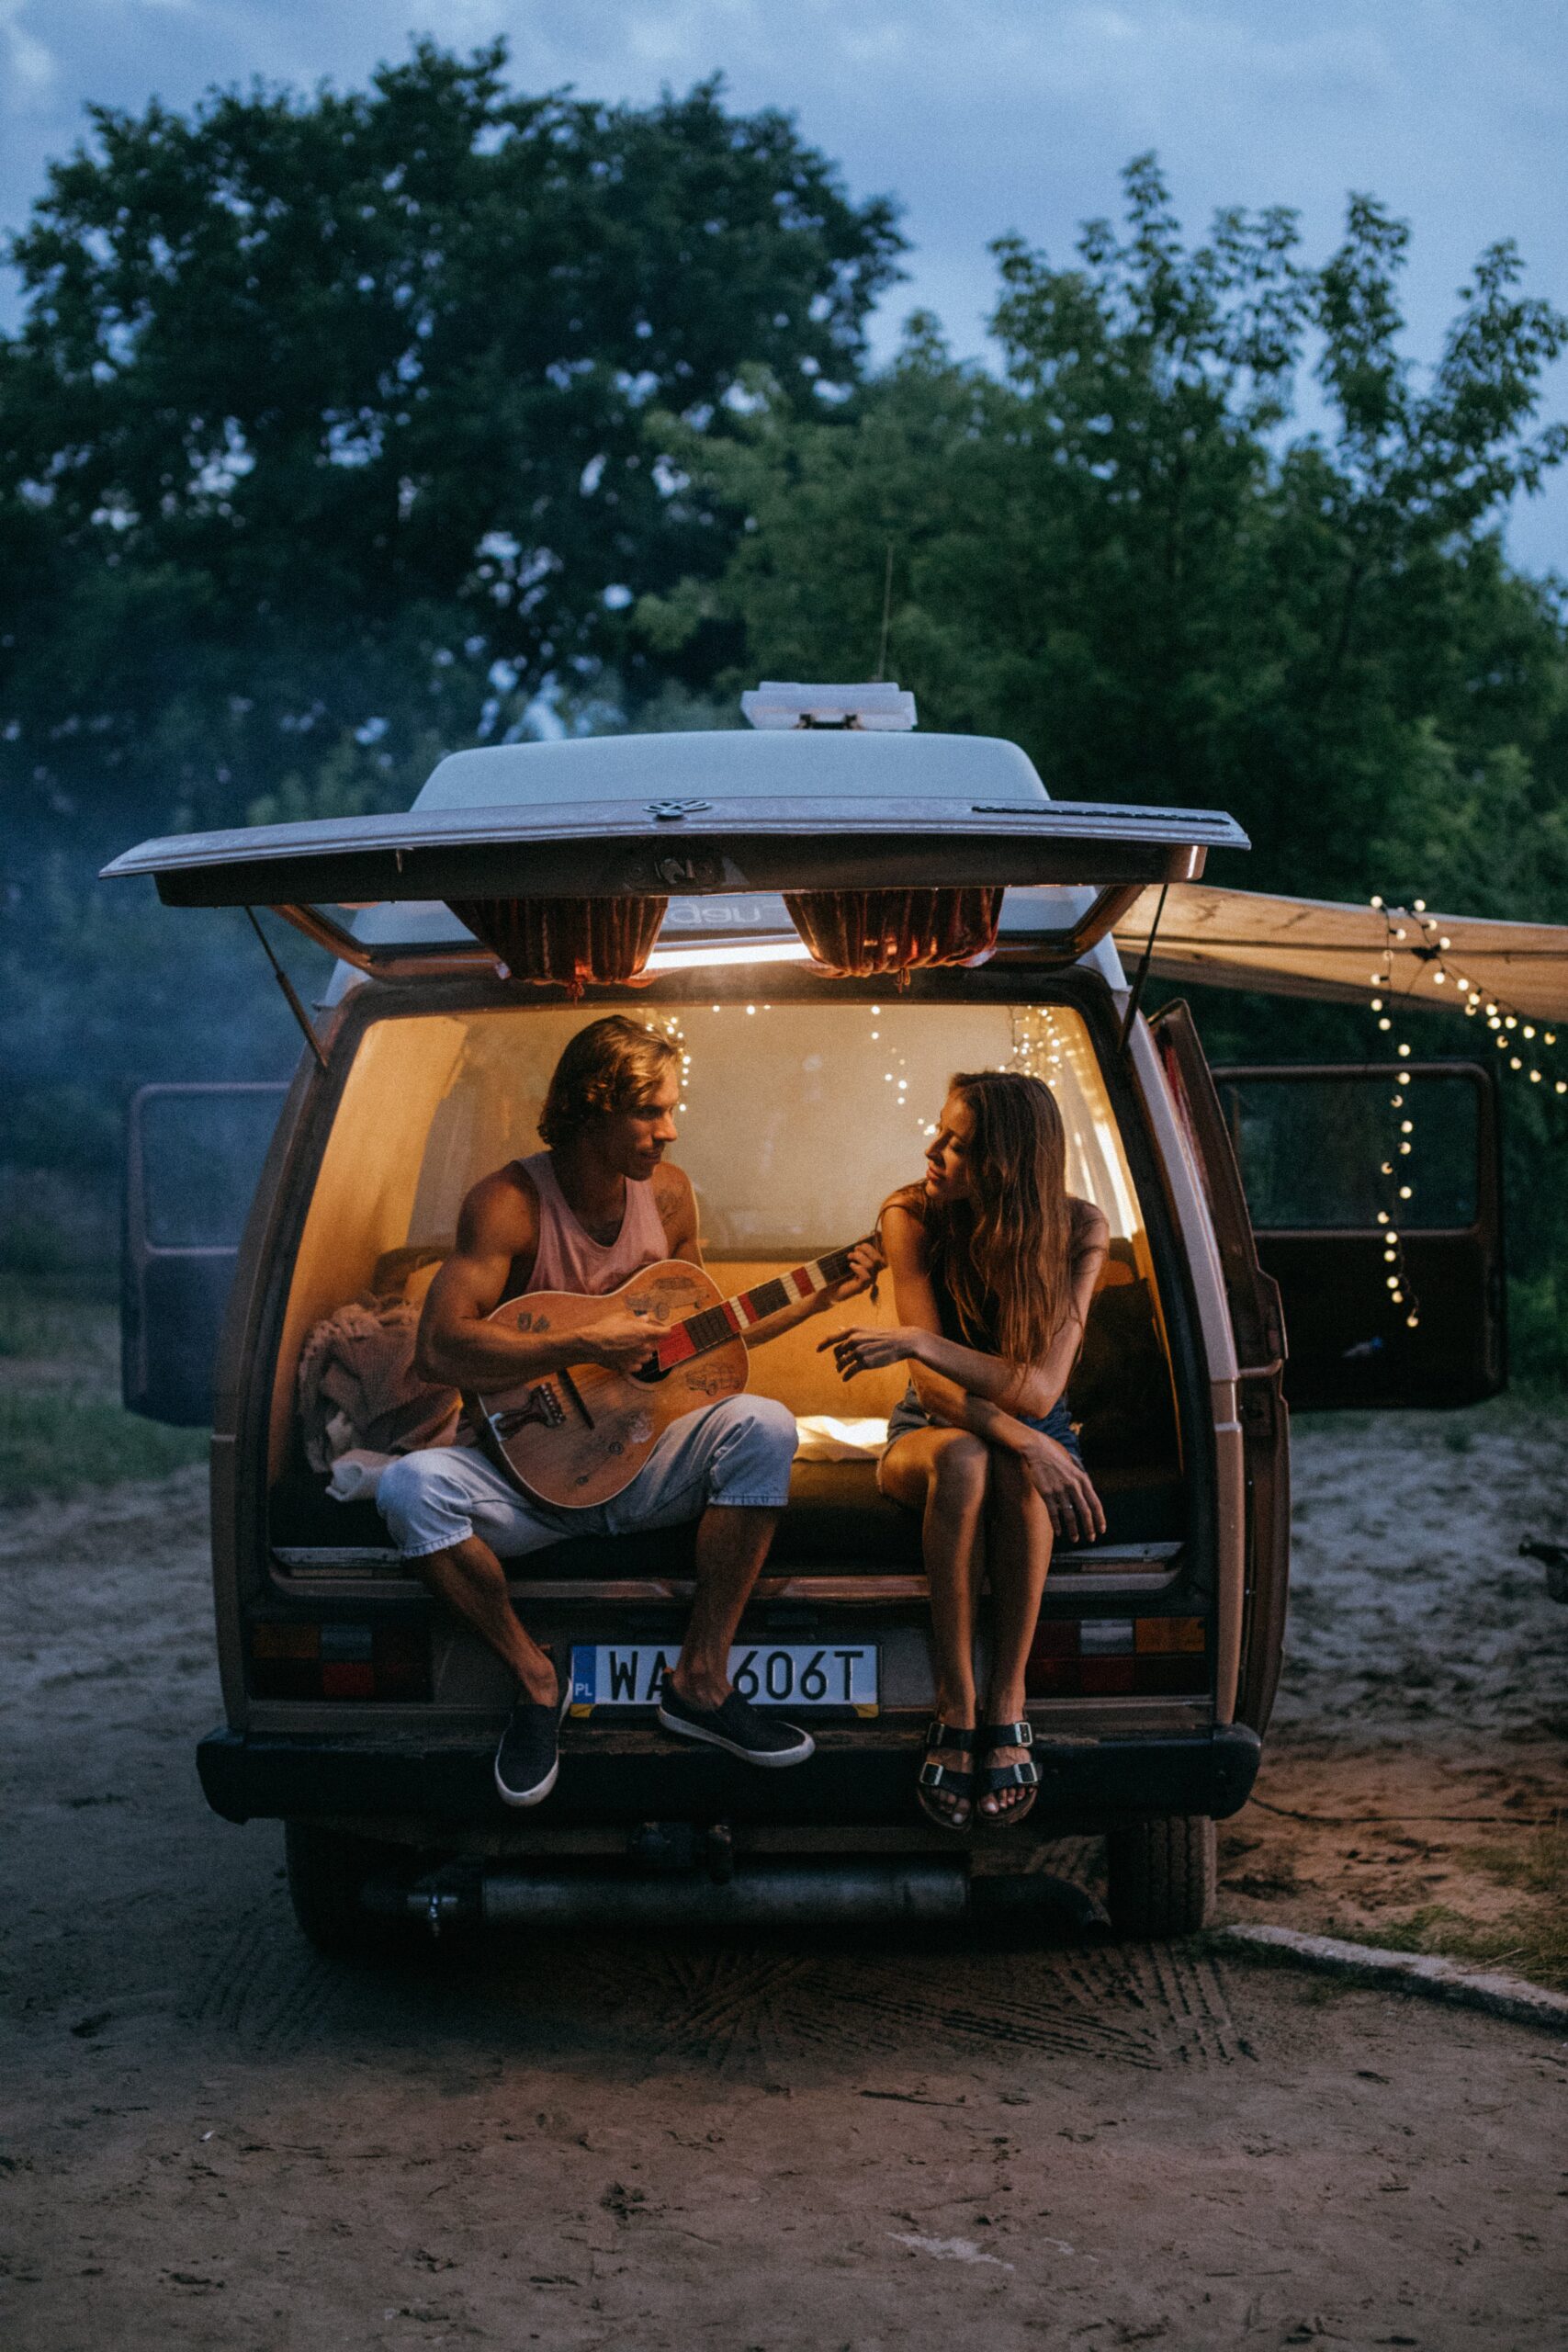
<point x="1313" y="1144"/>
<point x="1258" y="1330"/>
<point x="192" y="1159"/>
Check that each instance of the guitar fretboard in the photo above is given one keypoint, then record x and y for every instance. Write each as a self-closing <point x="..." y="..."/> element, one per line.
<point x="733" y="1317"/>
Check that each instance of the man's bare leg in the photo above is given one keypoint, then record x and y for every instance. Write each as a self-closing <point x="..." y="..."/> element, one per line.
<point x="471" y="1581"/>
<point x="732" y="1543"/>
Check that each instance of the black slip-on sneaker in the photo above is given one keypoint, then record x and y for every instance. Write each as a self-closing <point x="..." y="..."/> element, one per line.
<point x="528" y="1758"/>
<point x="744" y="1730"/>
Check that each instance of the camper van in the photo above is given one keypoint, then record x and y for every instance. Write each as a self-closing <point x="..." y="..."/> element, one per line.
<point x="829" y="914"/>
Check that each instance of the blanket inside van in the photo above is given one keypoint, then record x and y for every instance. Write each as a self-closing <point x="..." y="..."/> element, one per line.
<point x="358" y="1390"/>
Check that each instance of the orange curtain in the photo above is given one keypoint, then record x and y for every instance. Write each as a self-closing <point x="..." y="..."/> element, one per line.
<point x="567" y="942"/>
<point x="861" y="934"/>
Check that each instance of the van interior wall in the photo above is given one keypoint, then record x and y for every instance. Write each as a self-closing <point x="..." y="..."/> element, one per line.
<point x="365" y="1194"/>
<point x="797" y="1121"/>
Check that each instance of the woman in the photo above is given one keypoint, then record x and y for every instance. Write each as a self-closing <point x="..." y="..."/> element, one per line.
<point x="993" y="1265"/>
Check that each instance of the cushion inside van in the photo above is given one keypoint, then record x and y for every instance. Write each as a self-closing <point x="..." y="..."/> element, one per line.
<point x="1120" y="1394"/>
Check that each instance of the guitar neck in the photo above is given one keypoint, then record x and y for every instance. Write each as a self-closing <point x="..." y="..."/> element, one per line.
<point x="733" y="1317"/>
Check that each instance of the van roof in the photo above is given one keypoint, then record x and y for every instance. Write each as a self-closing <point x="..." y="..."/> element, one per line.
<point x="800" y="763"/>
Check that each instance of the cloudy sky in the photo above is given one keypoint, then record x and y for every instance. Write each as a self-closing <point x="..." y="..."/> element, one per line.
<point x="984" y="116"/>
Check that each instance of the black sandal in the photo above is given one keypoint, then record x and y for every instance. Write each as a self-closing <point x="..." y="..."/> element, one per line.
<point x="946" y="1780"/>
<point x="1024" y="1773"/>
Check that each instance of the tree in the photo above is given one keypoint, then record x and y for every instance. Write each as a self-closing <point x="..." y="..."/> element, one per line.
<point x="1112" y="551"/>
<point x="323" y="442"/>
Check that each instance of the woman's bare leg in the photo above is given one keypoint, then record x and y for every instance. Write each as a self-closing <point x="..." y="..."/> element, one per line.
<point x="942" y="1474"/>
<point x="1018" y="1546"/>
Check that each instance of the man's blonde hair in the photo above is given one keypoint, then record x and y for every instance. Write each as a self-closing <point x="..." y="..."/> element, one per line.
<point x="613" y="1065"/>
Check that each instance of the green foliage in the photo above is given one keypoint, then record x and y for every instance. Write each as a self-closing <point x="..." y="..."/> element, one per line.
<point x="323" y="438"/>
<point x="1110" y="552"/>
<point x="1538" y="1318"/>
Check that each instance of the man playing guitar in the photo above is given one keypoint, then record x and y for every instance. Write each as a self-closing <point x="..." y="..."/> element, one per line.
<point x="583" y="1215"/>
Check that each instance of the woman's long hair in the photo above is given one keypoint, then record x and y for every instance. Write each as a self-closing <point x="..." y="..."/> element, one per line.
<point x="1003" y="1253"/>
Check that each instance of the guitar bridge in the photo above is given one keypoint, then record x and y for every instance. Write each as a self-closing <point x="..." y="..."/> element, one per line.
<point x="544" y="1409"/>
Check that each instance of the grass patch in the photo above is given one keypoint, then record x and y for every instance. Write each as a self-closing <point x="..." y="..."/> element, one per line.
<point x="1531" y="1940"/>
<point x="63" y="1316"/>
<point x="57" y="1441"/>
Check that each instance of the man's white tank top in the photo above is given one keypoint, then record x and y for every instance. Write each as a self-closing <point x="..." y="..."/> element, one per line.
<point x="569" y="1257"/>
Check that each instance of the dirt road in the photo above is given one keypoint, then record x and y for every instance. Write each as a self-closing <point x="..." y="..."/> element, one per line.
<point x="213" y="2138"/>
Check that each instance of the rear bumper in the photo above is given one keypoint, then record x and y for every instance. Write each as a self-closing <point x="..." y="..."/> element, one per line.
<point x="856" y="1780"/>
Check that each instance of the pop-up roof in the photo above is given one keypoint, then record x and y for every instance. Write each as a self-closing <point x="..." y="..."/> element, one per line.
<point x="662" y="816"/>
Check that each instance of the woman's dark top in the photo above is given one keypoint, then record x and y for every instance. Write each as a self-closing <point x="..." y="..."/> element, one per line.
<point x="909" y="1413"/>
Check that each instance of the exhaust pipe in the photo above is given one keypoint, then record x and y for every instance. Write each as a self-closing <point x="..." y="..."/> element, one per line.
<point x="771" y="1895"/>
<point x="848" y="1894"/>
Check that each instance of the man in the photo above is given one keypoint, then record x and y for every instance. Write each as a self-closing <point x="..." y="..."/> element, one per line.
<point x="583" y="1215"/>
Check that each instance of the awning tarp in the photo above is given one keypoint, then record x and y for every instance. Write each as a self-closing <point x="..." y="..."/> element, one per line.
<point x="1246" y="939"/>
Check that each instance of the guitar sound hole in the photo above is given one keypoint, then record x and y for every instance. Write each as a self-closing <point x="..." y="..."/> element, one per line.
<point x="650" y="1372"/>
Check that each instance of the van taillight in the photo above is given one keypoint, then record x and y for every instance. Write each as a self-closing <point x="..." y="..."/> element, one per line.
<point x="290" y="1660"/>
<point x="1092" y="1657"/>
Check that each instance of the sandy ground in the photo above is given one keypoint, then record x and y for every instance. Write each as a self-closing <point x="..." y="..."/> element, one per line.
<point x="213" y="2138"/>
<point x="1416" y="1770"/>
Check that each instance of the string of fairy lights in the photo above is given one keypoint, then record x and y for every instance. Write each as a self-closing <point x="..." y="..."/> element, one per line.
<point x="669" y="1024"/>
<point x="1516" y="1036"/>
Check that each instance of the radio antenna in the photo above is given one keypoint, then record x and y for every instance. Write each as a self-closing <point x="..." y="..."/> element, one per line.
<point x="887" y="616"/>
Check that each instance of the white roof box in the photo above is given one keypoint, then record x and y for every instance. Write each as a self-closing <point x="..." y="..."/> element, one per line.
<point x="870" y="710"/>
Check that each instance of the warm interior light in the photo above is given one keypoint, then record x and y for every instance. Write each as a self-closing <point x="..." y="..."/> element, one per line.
<point x="734" y="951"/>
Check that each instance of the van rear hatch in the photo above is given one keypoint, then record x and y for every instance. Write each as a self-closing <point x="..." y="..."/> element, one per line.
<point x="646" y="817"/>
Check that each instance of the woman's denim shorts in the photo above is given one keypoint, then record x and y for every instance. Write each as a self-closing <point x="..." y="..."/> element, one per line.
<point x="911" y="1414"/>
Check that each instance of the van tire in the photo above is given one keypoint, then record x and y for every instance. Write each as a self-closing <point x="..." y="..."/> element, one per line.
<point x="326" y="1871"/>
<point x="1161" y="1874"/>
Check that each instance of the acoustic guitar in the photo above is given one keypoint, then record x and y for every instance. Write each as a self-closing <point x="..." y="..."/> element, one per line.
<point x="579" y="1436"/>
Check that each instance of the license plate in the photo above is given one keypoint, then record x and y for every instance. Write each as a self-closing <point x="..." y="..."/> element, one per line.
<point x="771" y="1674"/>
